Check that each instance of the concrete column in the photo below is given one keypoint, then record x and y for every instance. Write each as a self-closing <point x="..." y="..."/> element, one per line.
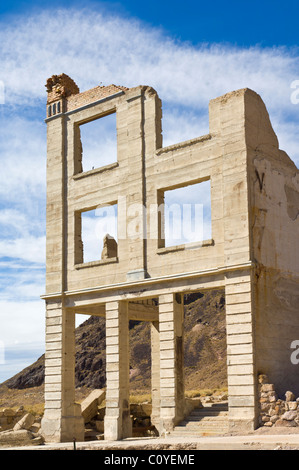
<point x="136" y="222"/>
<point x="55" y="246"/>
<point x="117" y="424"/>
<point x="240" y="352"/>
<point x="62" y="421"/>
<point x="155" y="384"/>
<point x="171" y="315"/>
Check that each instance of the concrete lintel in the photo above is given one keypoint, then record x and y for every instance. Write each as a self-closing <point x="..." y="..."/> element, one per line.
<point x="180" y="282"/>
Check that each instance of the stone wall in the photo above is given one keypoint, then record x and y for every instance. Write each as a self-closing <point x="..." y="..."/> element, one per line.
<point x="275" y="411"/>
<point x="9" y="417"/>
<point x="274" y="222"/>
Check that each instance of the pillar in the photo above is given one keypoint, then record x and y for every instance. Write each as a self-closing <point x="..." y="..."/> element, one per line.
<point x="171" y="315"/>
<point x="62" y="420"/>
<point x="117" y="423"/>
<point x="155" y="370"/>
<point x="240" y="352"/>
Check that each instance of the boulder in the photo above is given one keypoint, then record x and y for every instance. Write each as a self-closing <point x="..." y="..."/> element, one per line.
<point x="9" y="412"/>
<point x="22" y="437"/>
<point x="284" y="423"/>
<point x="267" y="388"/>
<point x="289" y="396"/>
<point x="35" y="428"/>
<point x="89" y="406"/>
<point x="263" y="379"/>
<point x="268" y="424"/>
<point x="274" y="418"/>
<point x="24" y="423"/>
<point x="289" y="415"/>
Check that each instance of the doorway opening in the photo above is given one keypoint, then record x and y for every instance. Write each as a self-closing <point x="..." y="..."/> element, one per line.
<point x="205" y="355"/>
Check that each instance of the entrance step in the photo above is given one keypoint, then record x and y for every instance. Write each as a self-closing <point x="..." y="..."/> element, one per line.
<point x="211" y="420"/>
<point x="93" y="435"/>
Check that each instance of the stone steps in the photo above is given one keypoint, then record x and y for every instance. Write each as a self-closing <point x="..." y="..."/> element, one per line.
<point x="93" y="435"/>
<point x="208" y="414"/>
<point x="211" y="420"/>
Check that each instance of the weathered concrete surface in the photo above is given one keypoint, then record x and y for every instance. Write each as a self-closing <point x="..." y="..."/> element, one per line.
<point x="253" y="252"/>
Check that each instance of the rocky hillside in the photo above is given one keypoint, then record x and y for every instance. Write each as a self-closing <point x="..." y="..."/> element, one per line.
<point x="204" y="346"/>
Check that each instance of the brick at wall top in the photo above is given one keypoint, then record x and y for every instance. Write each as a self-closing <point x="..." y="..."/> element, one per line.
<point x="62" y="86"/>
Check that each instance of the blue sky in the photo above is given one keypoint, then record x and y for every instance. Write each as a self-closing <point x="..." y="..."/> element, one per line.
<point x="190" y="52"/>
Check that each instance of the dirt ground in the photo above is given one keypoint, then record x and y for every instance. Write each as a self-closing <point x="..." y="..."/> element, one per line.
<point x="32" y="399"/>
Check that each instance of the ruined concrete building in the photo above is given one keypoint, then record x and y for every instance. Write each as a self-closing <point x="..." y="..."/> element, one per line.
<point x="252" y="252"/>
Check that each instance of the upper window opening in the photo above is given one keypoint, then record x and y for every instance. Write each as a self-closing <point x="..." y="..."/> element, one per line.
<point x="186" y="215"/>
<point x="98" y="142"/>
<point x="99" y="234"/>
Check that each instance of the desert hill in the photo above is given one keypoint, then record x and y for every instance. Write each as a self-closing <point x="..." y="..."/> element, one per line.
<point x="204" y="350"/>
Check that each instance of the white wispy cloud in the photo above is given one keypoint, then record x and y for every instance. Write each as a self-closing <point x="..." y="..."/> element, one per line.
<point x="94" y="48"/>
<point x="21" y="322"/>
<point x="31" y="249"/>
<point x="23" y="159"/>
<point x="24" y="286"/>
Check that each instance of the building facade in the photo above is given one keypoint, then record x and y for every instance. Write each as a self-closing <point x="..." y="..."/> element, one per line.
<point x="252" y="251"/>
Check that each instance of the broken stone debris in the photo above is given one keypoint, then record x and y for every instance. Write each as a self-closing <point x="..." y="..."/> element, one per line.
<point x="18" y="428"/>
<point x="275" y="411"/>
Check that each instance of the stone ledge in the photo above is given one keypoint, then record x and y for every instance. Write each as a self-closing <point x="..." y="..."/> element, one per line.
<point x="99" y="262"/>
<point x="186" y="143"/>
<point x="185" y="246"/>
<point x="101" y="169"/>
